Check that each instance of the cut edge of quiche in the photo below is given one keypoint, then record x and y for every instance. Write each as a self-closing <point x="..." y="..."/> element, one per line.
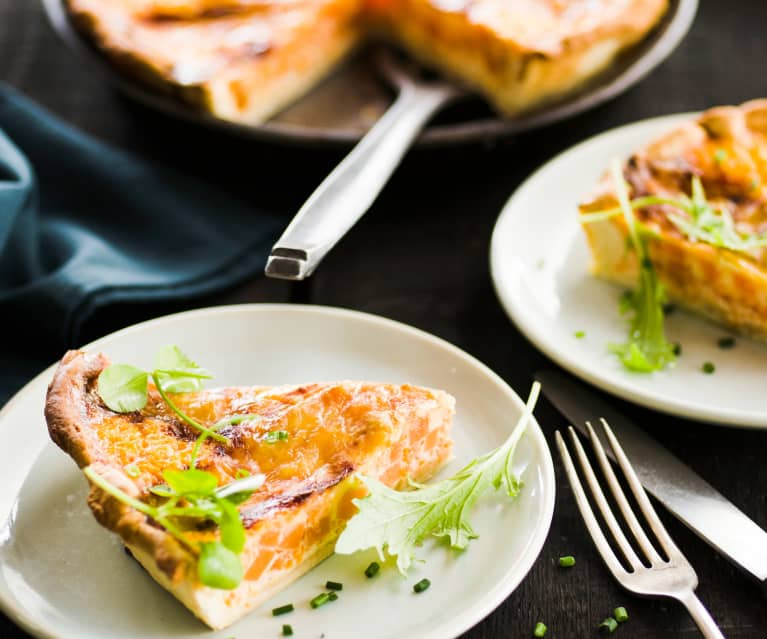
<point x="726" y="148"/>
<point x="517" y="69"/>
<point x="393" y="433"/>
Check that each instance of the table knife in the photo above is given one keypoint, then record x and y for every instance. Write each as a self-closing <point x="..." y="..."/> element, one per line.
<point x="674" y="484"/>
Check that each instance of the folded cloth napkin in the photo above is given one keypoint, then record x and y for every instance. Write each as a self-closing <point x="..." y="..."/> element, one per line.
<point x="84" y="225"/>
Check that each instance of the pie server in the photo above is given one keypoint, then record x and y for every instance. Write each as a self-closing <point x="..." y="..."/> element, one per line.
<point x="685" y="494"/>
<point x="352" y="187"/>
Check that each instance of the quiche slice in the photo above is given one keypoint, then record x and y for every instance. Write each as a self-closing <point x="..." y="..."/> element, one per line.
<point x="519" y="54"/>
<point x="240" y="60"/>
<point x="393" y="433"/>
<point x="725" y="148"/>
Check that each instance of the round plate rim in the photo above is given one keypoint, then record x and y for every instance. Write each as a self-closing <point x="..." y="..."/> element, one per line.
<point x="621" y="389"/>
<point x="470" y="617"/>
<point x="675" y="28"/>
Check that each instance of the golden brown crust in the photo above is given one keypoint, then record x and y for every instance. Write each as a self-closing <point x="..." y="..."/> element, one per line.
<point x="519" y="54"/>
<point x="68" y="409"/>
<point x="726" y="148"/>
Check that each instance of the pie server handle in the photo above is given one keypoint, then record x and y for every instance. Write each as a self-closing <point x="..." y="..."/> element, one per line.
<point x="352" y="187"/>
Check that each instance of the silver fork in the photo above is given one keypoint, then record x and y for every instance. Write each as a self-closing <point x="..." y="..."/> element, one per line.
<point x="674" y="578"/>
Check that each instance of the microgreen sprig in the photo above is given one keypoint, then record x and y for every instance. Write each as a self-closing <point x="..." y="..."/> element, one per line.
<point x="695" y="217"/>
<point x="647" y="348"/>
<point x="191" y="493"/>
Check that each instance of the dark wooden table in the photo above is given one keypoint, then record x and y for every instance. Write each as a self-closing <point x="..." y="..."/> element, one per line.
<point x="421" y="256"/>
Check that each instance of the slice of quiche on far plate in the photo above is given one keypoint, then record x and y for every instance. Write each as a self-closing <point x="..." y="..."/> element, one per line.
<point x="698" y="193"/>
<point x="304" y="444"/>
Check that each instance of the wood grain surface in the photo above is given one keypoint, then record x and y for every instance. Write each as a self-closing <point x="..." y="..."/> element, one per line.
<point x="421" y="256"/>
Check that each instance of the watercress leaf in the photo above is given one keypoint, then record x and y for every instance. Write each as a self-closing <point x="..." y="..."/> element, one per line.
<point x="219" y="567"/>
<point x="162" y="490"/>
<point x="395" y="522"/>
<point x="177" y="372"/>
<point x="123" y="388"/>
<point x="191" y="481"/>
<point x="232" y="530"/>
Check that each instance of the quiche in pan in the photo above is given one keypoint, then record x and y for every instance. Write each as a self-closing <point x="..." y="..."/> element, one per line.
<point x="244" y="60"/>
<point x="698" y="193"/>
<point x="305" y="444"/>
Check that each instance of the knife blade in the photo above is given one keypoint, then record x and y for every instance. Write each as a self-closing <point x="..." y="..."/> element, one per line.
<point x="684" y="493"/>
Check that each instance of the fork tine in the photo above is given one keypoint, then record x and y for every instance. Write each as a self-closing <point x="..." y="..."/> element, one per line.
<point x="641" y="496"/>
<point x="604" y="507"/>
<point x="620" y="498"/>
<point x="592" y="525"/>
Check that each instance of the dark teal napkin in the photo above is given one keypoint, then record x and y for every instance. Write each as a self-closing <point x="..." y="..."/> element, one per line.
<point x="84" y="225"/>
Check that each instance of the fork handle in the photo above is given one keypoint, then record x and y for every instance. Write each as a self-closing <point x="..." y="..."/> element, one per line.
<point x="354" y="184"/>
<point x="701" y="616"/>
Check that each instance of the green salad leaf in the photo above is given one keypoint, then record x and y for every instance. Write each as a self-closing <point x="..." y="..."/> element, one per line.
<point x="123" y="388"/>
<point x="647" y="348"/>
<point x="396" y="522"/>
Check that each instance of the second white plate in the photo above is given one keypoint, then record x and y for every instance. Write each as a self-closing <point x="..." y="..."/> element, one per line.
<point x="540" y="265"/>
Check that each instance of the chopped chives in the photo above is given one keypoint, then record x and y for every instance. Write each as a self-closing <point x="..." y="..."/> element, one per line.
<point x="287" y="630"/>
<point x="372" y="570"/>
<point x="726" y="342"/>
<point x="276" y="436"/>
<point x="332" y="595"/>
<point x="334" y="585"/>
<point x="708" y="368"/>
<point x="282" y="610"/>
<point x="620" y="614"/>
<point x="421" y="585"/>
<point x="609" y="625"/>
<point x="580" y="334"/>
<point x="320" y="600"/>
<point x="567" y="562"/>
<point x="676" y="348"/>
<point x="540" y="629"/>
<point x="132" y="471"/>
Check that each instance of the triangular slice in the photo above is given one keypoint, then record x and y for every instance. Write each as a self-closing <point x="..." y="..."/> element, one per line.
<point x="726" y="149"/>
<point x="334" y="430"/>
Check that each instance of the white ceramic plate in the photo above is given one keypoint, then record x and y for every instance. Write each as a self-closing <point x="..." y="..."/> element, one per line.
<point x="540" y="266"/>
<point x="63" y="576"/>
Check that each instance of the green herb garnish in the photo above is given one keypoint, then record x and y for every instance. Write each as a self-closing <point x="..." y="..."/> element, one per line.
<point x="620" y="614"/>
<point x="609" y="625"/>
<point x="274" y="436"/>
<point x="697" y="219"/>
<point x="421" y="586"/>
<point x="647" y="349"/>
<point x="190" y="494"/>
<point x="540" y="629"/>
<point x="580" y="334"/>
<point x="395" y="522"/>
<point x="282" y="610"/>
<point x="320" y="600"/>
<point x="567" y="562"/>
<point x="720" y="156"/>
<point x="334" y="585"/>
<point x="287" y="630"/>
<point x="132" y="471"/>
<point x="708" y="368"/>
<point x="193" y="494"/>
<point x="372" y="570"/>
<point x="726" y="343"/>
